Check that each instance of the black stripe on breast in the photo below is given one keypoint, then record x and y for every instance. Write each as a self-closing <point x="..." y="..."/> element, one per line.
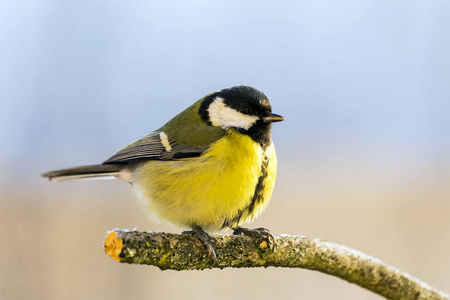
<point x="257" y="198"/>
<point x="258" y="195"/>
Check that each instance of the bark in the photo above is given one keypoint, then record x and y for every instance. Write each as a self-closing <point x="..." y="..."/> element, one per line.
<point x="184" y="252"/>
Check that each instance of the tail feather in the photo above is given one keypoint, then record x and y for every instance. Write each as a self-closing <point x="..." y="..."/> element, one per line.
<point x="94" y="171"/>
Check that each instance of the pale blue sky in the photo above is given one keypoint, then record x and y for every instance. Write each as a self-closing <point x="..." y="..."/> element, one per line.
<point x="81" y="79"/>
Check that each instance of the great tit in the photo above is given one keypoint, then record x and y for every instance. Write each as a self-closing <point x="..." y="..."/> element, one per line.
<point x="211" y="167"/>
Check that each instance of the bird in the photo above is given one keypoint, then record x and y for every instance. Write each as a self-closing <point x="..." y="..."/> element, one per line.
<point x="211" y="167"/>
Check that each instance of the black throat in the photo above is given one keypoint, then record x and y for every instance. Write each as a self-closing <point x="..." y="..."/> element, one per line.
<point x="260" y="133"/>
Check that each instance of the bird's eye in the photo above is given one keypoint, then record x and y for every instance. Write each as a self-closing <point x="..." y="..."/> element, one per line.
<point x="245" y="110"/>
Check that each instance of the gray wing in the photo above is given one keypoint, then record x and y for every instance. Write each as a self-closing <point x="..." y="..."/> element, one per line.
<point x="155" y="147"/>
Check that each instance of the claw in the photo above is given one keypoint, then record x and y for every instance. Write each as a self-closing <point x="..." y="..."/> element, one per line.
<point x="206" y="239"/>
<point x="258" y="233"/>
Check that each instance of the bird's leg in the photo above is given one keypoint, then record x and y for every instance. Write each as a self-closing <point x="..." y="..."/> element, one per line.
<point x="258" y="233"/>
<point x="206" y="239"/>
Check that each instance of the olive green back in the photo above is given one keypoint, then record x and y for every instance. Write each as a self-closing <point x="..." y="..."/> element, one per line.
<point x="187" y="128"/>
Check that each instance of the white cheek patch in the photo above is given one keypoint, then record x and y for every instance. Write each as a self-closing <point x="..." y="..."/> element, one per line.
<point x="227" y="117"/>
<point x="165" y="141"/>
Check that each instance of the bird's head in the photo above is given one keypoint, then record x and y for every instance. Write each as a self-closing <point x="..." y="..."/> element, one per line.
<point x="242" y="108"/>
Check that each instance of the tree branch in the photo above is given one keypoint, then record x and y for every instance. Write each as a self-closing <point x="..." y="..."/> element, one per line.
<point x="184" y="252"/>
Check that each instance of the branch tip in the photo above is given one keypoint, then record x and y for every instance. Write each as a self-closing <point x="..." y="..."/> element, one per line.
<point x="113" y="246"/>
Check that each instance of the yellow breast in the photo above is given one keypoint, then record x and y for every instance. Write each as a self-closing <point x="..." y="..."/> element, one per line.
<point x="229" y="184"/>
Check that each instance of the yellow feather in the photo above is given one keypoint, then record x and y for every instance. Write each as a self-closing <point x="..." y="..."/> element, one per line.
<point x="209" y="189"/>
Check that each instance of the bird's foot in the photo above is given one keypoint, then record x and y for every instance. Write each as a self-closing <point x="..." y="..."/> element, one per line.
<point x="261" y="233"/>
<point x="206" y="239"/>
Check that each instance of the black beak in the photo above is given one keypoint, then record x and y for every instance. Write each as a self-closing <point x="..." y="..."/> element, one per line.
<point x="273" y="118"/>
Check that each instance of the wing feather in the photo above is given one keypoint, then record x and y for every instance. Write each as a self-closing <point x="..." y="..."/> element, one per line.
<point x="151" y="147"/>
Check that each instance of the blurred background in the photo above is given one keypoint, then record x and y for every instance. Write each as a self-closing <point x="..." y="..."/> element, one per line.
<point x="363" y="154"/>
